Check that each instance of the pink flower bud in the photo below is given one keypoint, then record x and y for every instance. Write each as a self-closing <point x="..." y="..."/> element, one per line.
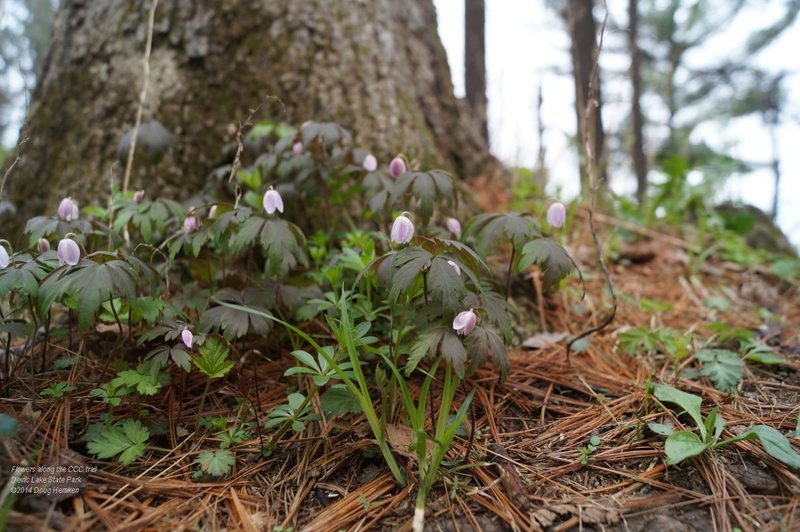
<point x="187" y="337"/>
<point x="556" y="214"/>
<point x="402" y="230"/>
<point x="68" y="210"/>
<point x="190" y="223"/>
<point x="138" y="196"/>
<point x="273" y="201"/>
<point x="370" y="163"/>
<point x="43" y="245"/>
<point x="4" y="258"/>
<point x="397" y="167"/>
<point x="454" y="226"/>
<point x="68" y="252"/>
<point x="297" y="148"/>
<point x="464" y="322"/>
<point x="455" y="267"/>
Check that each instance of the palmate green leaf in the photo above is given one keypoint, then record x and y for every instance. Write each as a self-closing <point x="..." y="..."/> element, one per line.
<point x="213" y="358"/>
<point x="126" y="439"/>
<point x="24" y="273"/>
<point x="146" y="379"/>
<point x="283" y="244"/>
<point x="492" y="229"/>
<point x="551" y="257"/>
<point x="453" y="351"/>
<point x="339" y="400"/>
<point x="408" y="263"/>
<point x="682" y="445"/>
<point x="445" y="285"/>
<point x="177" y="353"/>
<point x="723" y="367"/>
<point x="427" y="343"/>
<point x="216" y="463"/>
<point x="330" y="133"/>
<point x="93" y="281"/>
<point x="425" y="188"/>
<point x="484" y="342"/>
<point x="497" y="309"/>
<point x="690" y="403"/>
<point x="50" y="226"/>
<point x="233" y="323"/>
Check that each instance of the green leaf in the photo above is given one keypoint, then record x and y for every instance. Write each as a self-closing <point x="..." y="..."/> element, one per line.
<point x="338" y="400"/>
<point x="691" y="404"/>
<point x="408" y="264"/>
<point x="550" y="256"/>
<point x="453" y="351"/>
<point x="234" y="323"/>
<point x="283" y="244"/>
<point x="213" y="359"/>
<point x="146" y="379"/>
<point x="483" y="342"/>
<point x="445" y="285"/>
<point x="492" y="229"/>
<point x="216" y="463"/>
<point x="660" y="428"/>
<point x="425" y="344"/>
<point x="723" y="367"/>
<point x="126" y="439"/>
<point x="683" y="444"/>
<point x="775" y="444"/>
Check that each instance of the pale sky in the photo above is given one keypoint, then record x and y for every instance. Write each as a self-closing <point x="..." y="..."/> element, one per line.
<point x="526" y="45"/>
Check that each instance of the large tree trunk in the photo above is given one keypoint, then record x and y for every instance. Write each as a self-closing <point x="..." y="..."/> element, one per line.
<point x="637" y="121"/>
<point x="583" y="34"/>
<point x="475" y="61"/>
<point x="376" y="67"/>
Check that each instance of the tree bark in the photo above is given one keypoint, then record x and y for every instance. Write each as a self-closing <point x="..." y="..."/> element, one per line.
<point x="376" y="67"/>
<point x="475" y="61"/>
<point x="583" y="34"/>
<point x="637" y="121"/>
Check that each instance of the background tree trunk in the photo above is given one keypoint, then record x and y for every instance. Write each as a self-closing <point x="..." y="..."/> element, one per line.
<point x="377" y="68"/>
<point x="583" y="34"/>
<point x="637" y="121"/>
<point x="475" y="61"/>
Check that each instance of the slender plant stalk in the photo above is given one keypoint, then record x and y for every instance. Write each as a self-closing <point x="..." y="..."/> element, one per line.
<point x="202" y="404"/>
<point x="510" y="270"/>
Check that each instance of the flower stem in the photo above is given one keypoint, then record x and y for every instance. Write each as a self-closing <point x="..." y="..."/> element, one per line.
<point x="510" y="269"/>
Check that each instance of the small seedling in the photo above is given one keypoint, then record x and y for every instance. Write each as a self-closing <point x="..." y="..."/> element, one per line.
<point x="594" y="443"/>
<point x="685" y="443"/>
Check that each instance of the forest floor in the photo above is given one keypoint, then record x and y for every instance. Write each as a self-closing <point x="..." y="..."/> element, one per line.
<point x="529" y="430"/>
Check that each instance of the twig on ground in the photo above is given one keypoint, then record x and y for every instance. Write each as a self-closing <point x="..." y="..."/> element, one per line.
<point x="591" y="170"/>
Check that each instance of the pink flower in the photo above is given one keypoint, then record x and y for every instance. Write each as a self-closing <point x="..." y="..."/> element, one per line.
<point x="138" y="196"/>
<point x="43" y="245"/>
<point x="556" y="214"/>
<point x="464" y="322"/>
<point x="297" y="148"/>
<point x="68" y="252"/>
<point x="272" y="201"/>
<point x="68" y="210"/>
<point x="454" y="226"/>
<point x="187" y="337"/>
<point x="4" y="258"/>
<point x="455" y="267"/>
<point x="397" y="167"/>
<point x="370" y="163"/>
<point x="402" y="230"/>
<point x="190" y="223"/>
